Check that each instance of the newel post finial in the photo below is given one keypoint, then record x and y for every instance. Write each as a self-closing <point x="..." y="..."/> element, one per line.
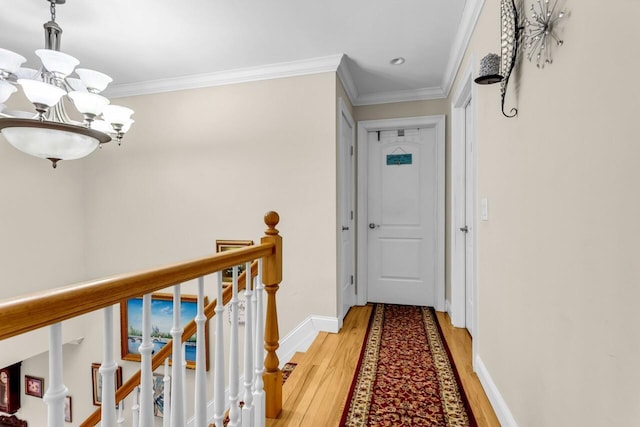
<point x="271" y="278"/>
<point x="271" y="219"/>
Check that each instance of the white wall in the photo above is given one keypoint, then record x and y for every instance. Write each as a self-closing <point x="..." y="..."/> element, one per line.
<point x="558" y="274"/>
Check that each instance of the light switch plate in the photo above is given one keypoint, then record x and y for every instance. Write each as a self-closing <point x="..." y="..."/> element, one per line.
<point x="484" y="210"/>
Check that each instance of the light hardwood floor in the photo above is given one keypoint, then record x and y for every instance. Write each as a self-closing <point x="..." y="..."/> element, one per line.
<point x="316" y="392"/>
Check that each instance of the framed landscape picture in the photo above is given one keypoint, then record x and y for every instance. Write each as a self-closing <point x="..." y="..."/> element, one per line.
<point x="229" y="245"/>
<point x="161" y="324"/>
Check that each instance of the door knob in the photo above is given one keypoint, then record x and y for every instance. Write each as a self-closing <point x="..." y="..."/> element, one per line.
<point x="344" y="228"/>
<point x="372" y="225"/>
<point x="464" y="229"/>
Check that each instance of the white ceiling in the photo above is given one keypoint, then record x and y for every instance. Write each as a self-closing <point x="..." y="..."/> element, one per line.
<point x="137" y="41"/>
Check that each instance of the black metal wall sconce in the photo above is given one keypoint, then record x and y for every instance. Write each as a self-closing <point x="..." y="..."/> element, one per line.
<point x="540" y="35"/>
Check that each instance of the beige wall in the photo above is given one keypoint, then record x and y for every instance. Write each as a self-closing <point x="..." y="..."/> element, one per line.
<point x="558" y="270"/>
<point x="206" y="164"/>
<point x="42" y="227"/>
<point x="41" y="233"/>
<point x="401" y="109"/>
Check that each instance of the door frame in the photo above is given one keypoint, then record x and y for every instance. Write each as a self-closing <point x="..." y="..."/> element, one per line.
<point x="465" y="94"/>
<point x="364" y="127"/>
<point x="345" y="185"/>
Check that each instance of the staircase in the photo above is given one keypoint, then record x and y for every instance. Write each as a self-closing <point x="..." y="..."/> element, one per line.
<point x="260" y="387"/>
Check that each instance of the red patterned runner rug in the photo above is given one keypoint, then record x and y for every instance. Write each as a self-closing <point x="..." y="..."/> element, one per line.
<point x="405" y="376"/>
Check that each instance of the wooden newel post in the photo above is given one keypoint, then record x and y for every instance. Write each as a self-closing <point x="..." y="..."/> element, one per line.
<point x="271" y="278"/>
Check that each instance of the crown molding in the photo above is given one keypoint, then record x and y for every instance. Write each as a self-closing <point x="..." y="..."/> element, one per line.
<point x="241" y="75"/>
<point x="401" y="96"/>
<point x="333" y="63"/>
<point x="344" y="74"/>
<point x="470" y="16"/>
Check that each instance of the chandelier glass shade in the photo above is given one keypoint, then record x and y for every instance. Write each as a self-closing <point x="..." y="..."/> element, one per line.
<point x="49" y="132"/>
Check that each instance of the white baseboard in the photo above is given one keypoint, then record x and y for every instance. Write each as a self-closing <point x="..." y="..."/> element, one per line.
<point x="301" y="337"/>
<point x="447" y="307"/>
<point x="497" y="401"/>
<point x="325" y="324"/>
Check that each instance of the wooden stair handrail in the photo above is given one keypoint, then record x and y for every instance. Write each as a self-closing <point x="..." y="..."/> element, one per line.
<point x="33" y="311"/>
<point x="26" y="313"/>
<point x="160" y="356"/>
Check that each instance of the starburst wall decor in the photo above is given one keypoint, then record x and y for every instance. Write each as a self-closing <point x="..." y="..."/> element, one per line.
<point x="541" y="32"/>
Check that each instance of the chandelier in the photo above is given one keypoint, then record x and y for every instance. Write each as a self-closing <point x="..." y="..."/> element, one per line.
<point x="49" y="133"/>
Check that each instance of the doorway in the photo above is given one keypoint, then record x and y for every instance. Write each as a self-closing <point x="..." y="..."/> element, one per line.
<point x="346" y="212"/>
<point x="401" y="211"/>
<point x="463" y="306"/>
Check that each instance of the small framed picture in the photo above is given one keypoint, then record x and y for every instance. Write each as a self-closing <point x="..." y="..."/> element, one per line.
<point x="97" y="382"/>
<point x="158" y="395"/>
<point x="33" y="386"/>
<point x="229" y="245"/>
<point x="67" y="409"/>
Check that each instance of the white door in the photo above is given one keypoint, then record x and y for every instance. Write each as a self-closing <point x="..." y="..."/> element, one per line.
<point x="469" y="214"/>
<point x="463" y="207"/>
<point x="346" y="225"/>
<point x="402" y="204"/>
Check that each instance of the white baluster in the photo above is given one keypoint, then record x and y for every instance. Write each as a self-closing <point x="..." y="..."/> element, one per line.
<point x="201" y="374"/>
<point x="108" y="371"/>
<point x="255" y="337"/>
<point x="218" y="386"/>
<point x="135" y="409"/>
<point x="121" y="413"/>
<point x="146" y="376"/>
<point x="178" y="414"/>
<point x="184" y="383"/>
<point x="247" y="409"/>
<point x="56" y="393"/>
<point x="258" y="393"/>
<point x="234" y="413"/>
<point x="166" y="410"/>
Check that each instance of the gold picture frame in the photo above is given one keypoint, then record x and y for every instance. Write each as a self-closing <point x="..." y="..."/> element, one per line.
<point x="229" y="245"/>
<point x="161" y="324"/>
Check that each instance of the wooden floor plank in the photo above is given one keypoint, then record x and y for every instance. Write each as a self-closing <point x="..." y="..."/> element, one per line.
<point x="304" y="384"/>
<point x="339" y="373"/>
<point x="459" y="343"/>
<point x="297" y="357"/>
<point x="295" y="406"/>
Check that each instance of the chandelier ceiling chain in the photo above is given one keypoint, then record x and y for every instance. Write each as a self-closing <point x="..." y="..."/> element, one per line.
<point x="50" y="133"/>
<point x="52" y="9"/>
